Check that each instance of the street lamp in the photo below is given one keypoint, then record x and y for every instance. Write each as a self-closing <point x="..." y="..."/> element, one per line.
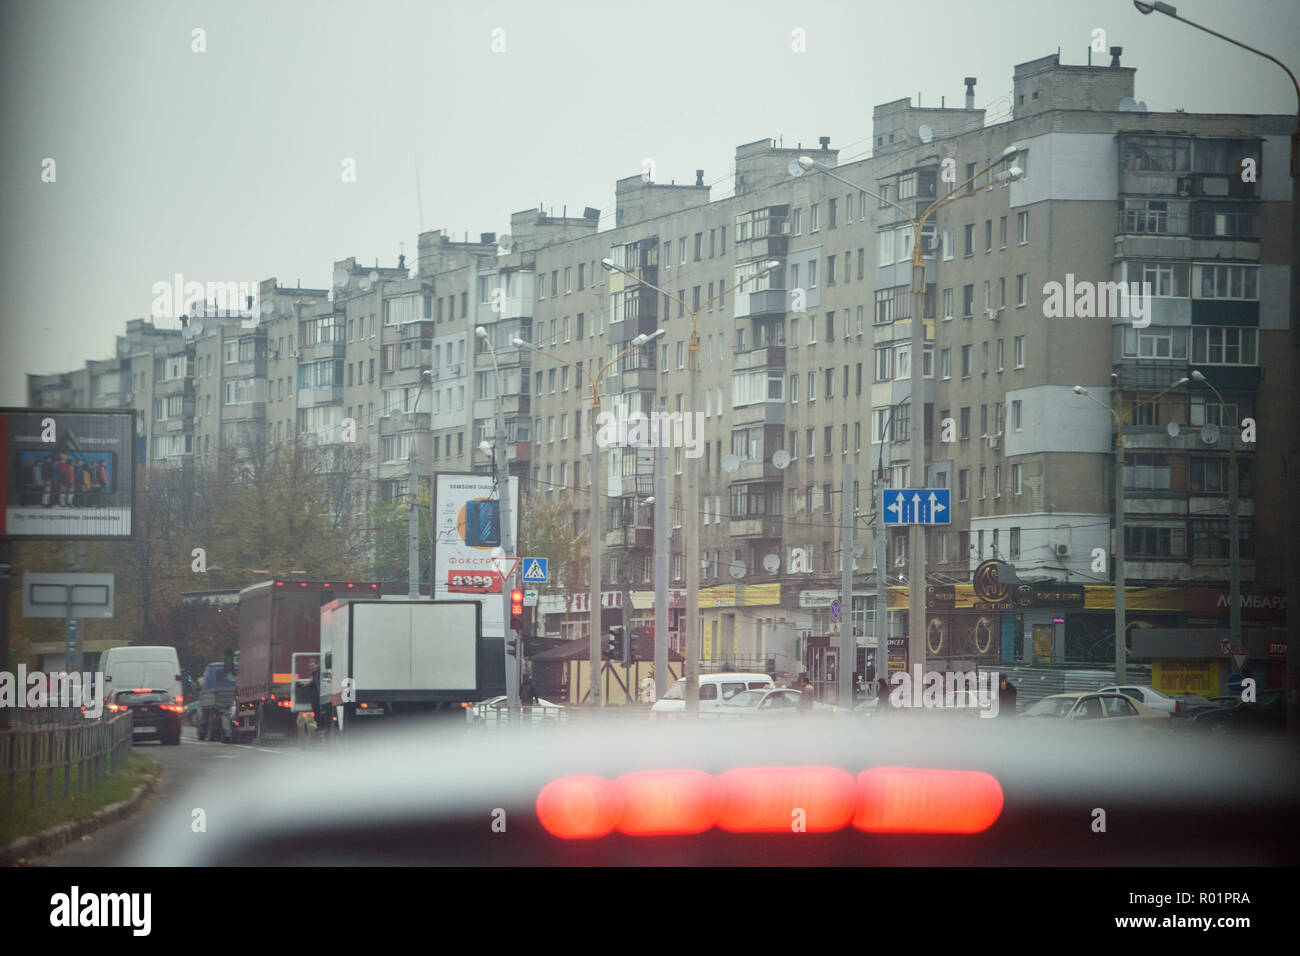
<point x="916" y="467"/>
<point x="1293" y="421"/>
<point x="693" y="480"/>
<point x="1234" y="526"/>
<point x="594" y="545"/>
<point x="502" y="473"/>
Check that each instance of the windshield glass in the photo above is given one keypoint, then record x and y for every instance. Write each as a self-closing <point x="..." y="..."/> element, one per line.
<point x="677" y="691"/>
<point x="1051" y="707"/>
<point x="749" y="698"/>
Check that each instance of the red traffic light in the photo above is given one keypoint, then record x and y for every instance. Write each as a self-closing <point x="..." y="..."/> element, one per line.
<point x="516" y="601"/>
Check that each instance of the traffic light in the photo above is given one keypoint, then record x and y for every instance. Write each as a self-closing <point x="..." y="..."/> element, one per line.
<point x="517" y="610"/>
<point x="614" y="643"/>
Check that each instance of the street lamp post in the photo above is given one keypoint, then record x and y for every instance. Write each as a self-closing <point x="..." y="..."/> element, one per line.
<point x="501" y="468"/>
<point x="916" y="466"/>
<point x="1293" y="421"/>
<point x="596" y="483"/>
<point x="1234" y="528"/>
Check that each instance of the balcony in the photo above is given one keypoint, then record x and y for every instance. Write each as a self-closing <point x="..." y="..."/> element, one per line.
<point x="765" y="302"/>
<point x="771" y="356"/>
<point x="752" y="469"/>
<point x="766" y="526"/>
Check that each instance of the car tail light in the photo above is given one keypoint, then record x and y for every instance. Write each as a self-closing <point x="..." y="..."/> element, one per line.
<point x="913" y="800"/>
<point x="174" y="708"/>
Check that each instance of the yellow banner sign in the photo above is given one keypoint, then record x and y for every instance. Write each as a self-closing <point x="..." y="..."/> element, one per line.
<point x="1186" y="677"/>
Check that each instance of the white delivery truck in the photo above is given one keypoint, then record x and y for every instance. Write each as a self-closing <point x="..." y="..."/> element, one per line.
<point x="393" y="657"/>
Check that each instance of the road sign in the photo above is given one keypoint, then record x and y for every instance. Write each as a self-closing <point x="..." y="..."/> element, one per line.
<point x="48" y="595"/>
<point x="1239" y="662"/>
<point x="535" y="570"/>
<point x="835" y="610"/>
<point x="1234" y="684"/>
<point x="1225" y="646"/>
<point x="916" y="505"/>
<point x="504" y="566"/>
<point x="531" y="597"/>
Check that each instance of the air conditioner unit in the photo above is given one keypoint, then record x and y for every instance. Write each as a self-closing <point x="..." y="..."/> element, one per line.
<point x="995" y="315"/>
<point x="995" y="441"/>
<point x="453" y="369"/>
<point x="1062" y="550"/>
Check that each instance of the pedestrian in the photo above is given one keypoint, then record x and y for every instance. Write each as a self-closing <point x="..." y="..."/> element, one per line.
<point x="1006" y="697"/>
<point x="807" y="697"/>
<point x="527" y="693"/>
<point x="882" y="695"/>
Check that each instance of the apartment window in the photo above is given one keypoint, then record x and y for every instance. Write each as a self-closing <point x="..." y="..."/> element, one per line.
<point x="808" y="440"/>
<point x="857" y="436"/>
<point x="1022" y="227"/>
<point x="1227" y="282"/>
<point x="965" y="422"/>
<point x="965" y="361"/>
<point x="988" y="236"/>
<point x="1001" y="353"/>
<point x="1022" y="288"/>
<point x="1151" y="472"/>
<point x="568" y="279"/>
<point x="830" y="383"/>
<point x="710" y="297"/>
<point x="859" y="324"/>
<point x="1148" y="541"/>
<point x="945" y="363"/>
<point x="884" y="364"/>
<point x="826" y="441"/>
<point x="984" y="421"/>
<point x="859" y="380"/>
<point x="555" y="282"/>
<point x="681" y="300"/>
<point x="830" y="270"/>
<point x="984" y="351"/>
<point x="722" y="250"/>
<point x="1002" y="231"/>
<point x="831" y="214"/>
<point x="681" y="250"/>
<point x="963" y="484"/>
<point x="997" y="482"/>
<point x="812" y="386"/>
<point x="1018" y="347"/>
<point x="814" y="218"/>
<point x="796" y="222"/>
<point x="1156" y="342"/>
<point x="1015" y="414"/>
<point x="968" y="239"/>
<point x="699" y="246"/>
<point x="1016" y="472"/>
<point x="550" y="380"/>
<point x="812" y="273"/>
<point x="902" y="362"/>
<point x="968" y="300"/>
<point x="713" y="243"/>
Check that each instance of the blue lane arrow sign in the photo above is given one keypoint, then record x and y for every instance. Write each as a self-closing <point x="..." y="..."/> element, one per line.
<point x="917" y="506"/>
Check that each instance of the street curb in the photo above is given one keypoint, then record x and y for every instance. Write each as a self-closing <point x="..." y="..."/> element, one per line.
<point x="55" y="838"/>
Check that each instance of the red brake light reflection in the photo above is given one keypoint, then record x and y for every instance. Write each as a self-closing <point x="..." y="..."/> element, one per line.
<point x="912" y="800"/>
<point x="765" y="800"/>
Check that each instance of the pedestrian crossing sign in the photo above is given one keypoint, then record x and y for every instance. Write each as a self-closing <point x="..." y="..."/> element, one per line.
<point x="535" y="570"/>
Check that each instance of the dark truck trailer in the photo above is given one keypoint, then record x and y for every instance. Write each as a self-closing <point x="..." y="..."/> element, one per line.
<point x="393" y="658"/>
<point x="278" y="619"/>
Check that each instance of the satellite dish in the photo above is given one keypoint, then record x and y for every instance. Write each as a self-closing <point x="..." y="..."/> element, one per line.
<point x="340" y="278"/>
<point x="1210" y="434"/>
<point x="123" y="347"/>
<point x="1142" y="106"/>
<point x="737" y="570"/>
<point x="781" y="459"/>
<point x="374" y="276"/>
<point x="772" y="563"/>
<point x="365" y="285"/>
<point x="1128" y="105"/>
<point x="1172" y="429"/>
<point x="925" y="133"/>
<point x="730" y="463"/>
<point x="267" y="306"/>
<point x="197" y="328"/>
<point x="794" y="168"/>
<point x="505" y="243"/>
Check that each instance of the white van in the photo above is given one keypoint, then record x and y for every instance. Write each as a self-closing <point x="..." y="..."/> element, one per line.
<point x="714" y="690"/>
<point x="146" y="681"/>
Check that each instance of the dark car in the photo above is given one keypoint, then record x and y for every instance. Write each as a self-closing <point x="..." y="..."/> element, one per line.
<point x="154" y="713"/>
<point x="1262" y="717"/>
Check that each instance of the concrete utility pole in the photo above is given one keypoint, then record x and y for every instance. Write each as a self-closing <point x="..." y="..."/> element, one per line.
<point x="1238" y="644"/>
<point x="848" y="642"/>
<point x="661" y="567"/>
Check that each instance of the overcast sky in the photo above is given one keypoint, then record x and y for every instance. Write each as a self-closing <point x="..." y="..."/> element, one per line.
<point x="226" y="165"/>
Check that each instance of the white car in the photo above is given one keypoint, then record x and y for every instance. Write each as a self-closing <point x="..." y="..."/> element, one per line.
<point x="1145" y="695"/>
<point x="715" y="691"/>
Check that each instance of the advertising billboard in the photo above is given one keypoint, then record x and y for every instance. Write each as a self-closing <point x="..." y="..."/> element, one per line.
<point x="467" y="533"/>
<point x="68" y="474"/>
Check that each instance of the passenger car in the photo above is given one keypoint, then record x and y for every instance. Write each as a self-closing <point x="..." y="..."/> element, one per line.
<point x="1098" y="708"/>
<point x="714" y="690"/>
<point x="1157" y="700"/>
<point x="1261" y="717"/>
<point x="154" y="713"/>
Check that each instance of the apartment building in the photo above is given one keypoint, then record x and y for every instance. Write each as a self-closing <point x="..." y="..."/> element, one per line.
<point x="807" y="366"/>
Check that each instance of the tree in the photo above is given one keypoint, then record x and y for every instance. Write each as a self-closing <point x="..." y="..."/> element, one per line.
<point x="550" y="532"/>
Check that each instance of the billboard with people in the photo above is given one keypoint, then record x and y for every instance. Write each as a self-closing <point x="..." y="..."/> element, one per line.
<point x="67" y="474"/>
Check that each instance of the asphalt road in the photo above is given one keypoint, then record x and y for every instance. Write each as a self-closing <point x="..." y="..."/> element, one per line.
<point x="189" y="770"/>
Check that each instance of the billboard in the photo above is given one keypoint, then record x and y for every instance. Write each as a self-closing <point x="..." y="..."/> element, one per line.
<point x="68" y="474"/>
<point x="467" y="532"/>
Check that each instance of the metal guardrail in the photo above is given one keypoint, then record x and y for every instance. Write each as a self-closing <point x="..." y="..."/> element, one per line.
<point x="94" y="748"/>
